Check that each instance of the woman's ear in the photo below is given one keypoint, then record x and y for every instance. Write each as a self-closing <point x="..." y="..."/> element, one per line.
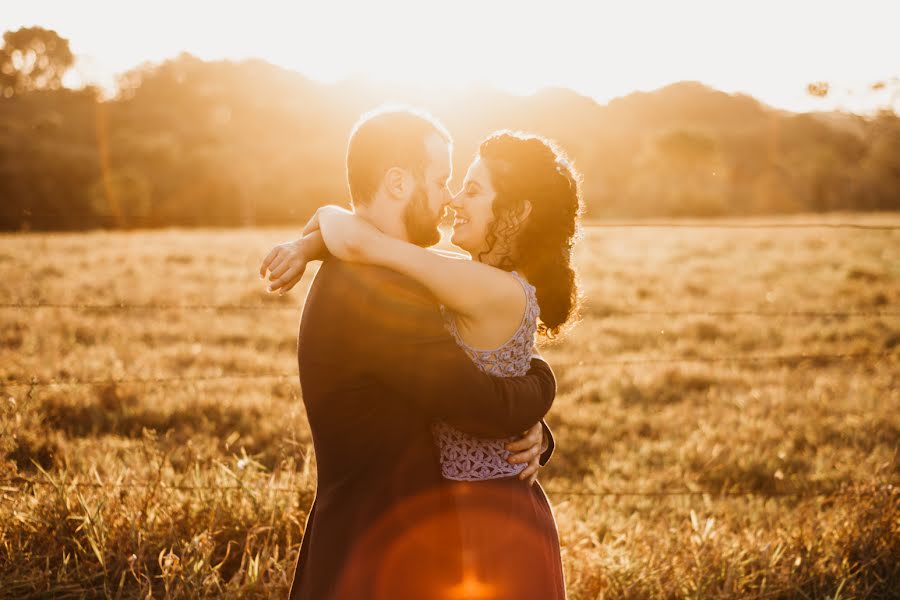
<point x="526" y="210"/>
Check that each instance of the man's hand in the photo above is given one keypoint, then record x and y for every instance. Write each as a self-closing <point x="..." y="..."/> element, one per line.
<point x="527" y="449"/>
<point x="286" y="264"/>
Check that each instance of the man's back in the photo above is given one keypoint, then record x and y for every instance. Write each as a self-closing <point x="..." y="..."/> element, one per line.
<point x="359" y="425"/>
<point x="373" y="452"/>
<point x="376" y="368"/>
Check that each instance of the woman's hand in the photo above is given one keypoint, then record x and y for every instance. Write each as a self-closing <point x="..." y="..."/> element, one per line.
<point x="527" y="449"/>
<point x="287" y="262"/>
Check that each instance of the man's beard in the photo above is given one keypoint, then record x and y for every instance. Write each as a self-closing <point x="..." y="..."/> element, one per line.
<point x="421" y="224"/>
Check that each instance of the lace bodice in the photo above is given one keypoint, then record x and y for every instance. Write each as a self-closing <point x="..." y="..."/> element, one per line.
<point x="468" y="458"/>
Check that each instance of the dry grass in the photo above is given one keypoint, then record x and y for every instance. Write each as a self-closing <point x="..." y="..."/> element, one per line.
<point x="769" y="427"/>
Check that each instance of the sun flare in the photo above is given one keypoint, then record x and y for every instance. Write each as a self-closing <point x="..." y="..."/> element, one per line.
<point x="768" y="49"/>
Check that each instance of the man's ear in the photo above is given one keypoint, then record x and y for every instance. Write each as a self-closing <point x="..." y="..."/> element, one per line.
<point x="398" y="183"/>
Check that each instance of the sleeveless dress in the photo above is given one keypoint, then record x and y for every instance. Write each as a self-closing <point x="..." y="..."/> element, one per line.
<point x="510" y="541"/>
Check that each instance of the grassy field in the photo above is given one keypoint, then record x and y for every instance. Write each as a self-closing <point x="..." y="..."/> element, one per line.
<point x="702" y="364"/>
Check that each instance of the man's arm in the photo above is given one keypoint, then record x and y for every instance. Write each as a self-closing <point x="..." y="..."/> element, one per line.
<point x="416" y="356"/>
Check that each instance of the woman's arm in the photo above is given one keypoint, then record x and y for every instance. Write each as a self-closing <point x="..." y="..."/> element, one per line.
<point x="467" y="287"/>
<point x="287" y="262"/>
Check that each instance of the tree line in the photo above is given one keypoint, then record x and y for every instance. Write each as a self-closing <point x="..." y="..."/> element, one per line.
<point x="196" y="143"/>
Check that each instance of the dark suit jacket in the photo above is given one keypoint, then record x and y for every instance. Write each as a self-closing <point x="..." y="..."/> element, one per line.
<point x="377" y="367"/>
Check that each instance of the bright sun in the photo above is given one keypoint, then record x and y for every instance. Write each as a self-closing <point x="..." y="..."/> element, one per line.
<point x="769" y="49"/>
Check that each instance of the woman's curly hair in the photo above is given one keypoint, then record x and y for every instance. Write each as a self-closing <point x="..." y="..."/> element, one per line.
<point x="530" y="168"/>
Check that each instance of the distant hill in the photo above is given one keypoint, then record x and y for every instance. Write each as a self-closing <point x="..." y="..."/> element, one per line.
<point x="192" y="142"/>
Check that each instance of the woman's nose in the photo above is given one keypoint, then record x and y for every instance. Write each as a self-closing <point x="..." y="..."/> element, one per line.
<point x="456" y="200"/>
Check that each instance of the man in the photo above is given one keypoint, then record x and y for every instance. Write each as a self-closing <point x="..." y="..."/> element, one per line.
<point x="377" y="368"/>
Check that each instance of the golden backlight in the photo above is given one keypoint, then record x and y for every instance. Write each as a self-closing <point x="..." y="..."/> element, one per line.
<point x="768" y="49"/>
<point x="726" y="418"/>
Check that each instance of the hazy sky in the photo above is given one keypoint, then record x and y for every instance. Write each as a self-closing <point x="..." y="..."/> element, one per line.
<point x="770" y="49"/>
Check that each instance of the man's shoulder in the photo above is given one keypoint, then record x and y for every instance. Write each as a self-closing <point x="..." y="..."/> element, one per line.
<point x="384" y="300"/>
<point x="377" y="284"/>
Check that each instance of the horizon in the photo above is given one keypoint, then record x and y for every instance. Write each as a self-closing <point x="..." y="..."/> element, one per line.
<point x="713" y="45"/>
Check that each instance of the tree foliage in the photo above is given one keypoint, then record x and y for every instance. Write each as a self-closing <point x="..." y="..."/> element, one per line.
<point x="190" y="142"/>
<point x="33" y="58"/>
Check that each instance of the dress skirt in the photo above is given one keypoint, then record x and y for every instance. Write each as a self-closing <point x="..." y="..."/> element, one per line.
<point x="510" y="544"/>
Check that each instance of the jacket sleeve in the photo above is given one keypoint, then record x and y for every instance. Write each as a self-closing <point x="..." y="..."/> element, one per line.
<point x="416" y="357"/>
<point x="551" y="444"/>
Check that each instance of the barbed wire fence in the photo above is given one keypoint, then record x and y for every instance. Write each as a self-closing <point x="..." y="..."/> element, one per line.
<point x="23" y="482"/>
<point x="20" y="483"/>
<point x="799" y="314"/>
<point x="727" y="225"/>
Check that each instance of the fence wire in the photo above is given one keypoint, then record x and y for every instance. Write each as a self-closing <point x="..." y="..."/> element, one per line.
<point x="700" y="225"/>
<point x="600" y="312"/>
<point x="776" y="358"/>
<point x="20" y="483"/>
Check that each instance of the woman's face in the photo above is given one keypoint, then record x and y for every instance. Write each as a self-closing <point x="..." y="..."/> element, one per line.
<point x="473" y="206"/>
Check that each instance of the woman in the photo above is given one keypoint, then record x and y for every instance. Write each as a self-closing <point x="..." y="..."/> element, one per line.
<point x="517" y="216"/>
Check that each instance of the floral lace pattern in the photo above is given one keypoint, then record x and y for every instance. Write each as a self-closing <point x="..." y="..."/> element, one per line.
<point x="465" y="457"/>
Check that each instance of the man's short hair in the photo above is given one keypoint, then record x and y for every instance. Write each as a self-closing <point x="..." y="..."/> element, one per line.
<point x="385" y="138"/>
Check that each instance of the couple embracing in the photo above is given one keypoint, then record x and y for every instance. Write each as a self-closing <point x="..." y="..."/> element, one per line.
<point x="424" y="393"/>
